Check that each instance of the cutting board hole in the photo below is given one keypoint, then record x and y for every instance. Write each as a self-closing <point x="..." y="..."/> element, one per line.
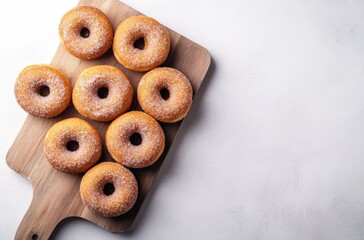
<point x="85" y="32"/>
<point x="139" y="44"/>
<point x="135" y="139"/>
<point x="103" y="92"/>
<point x="35" y="237"/>
<point x="43" y="91"/>
<point x="109" y="189"/>
<point x="72" y="146"/>
<point x="164" y="93"/>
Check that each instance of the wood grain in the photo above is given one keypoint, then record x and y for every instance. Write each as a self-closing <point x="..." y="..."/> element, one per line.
<point x="56" y="194"/>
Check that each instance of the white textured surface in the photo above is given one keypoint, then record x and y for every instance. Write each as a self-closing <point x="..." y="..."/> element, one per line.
<point x="274" y="145"/>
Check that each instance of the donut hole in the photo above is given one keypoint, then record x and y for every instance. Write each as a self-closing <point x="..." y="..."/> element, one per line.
<point x="35" y="237"/>
<point x="135" y="139"/>
<point x="139" y="43"/>
<point x="164" y="93"/>
<point x="72" y="146"/>
<point x="43" y="91"/>
<point x="108" y="189"/>
<point x="103" y="92"/>
<point x="85" y="32"/>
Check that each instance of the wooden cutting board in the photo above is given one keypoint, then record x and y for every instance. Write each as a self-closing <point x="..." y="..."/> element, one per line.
<point x="56" y="194"/>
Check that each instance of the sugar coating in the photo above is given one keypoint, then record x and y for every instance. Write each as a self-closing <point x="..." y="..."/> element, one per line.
<point x="101" y="32"/>
<point x="156" y="38"/>
<point x="72" y="129"/>
<point x="123" y="151"/>
<point x="118" y="100"/>
<point x="180" y="90"/>
<point x="27" y="91"/>
<point x="120" y="201"/>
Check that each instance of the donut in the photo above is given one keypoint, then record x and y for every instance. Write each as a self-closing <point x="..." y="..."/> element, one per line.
<point x="102" y="93"/>
<point x="42" y="90"/>
<point x="109" y="189"/>
<point x="135" y="140"/>
<point x="165" y="94"/>
<point x="72" y="145"/>
<point x="86" y="32"/>
<point x="141" y="43"/>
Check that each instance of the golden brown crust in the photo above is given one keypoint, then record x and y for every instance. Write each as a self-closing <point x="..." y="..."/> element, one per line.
<point x="28" y="92"/>
<point x="67" y="158"/>
<point x="86" y="95"/>
<point x="156" y="48"/>
<point x="120" y="146"/>
<point x="109" y="204"/>
<point x="179" y="101"/>
<point x="92" y="44"/>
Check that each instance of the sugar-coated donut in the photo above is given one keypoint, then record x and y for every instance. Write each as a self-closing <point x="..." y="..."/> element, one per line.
<point x="102" y="93"/>
<point x="165" y="94"/>
<point x="135" y="139"/>
<point x="86" y="32"/>
<point x="109" y="189"/>
<point x="72" y="145"/>
<point x="156" y="43"/>
<point x="42" y="90"/>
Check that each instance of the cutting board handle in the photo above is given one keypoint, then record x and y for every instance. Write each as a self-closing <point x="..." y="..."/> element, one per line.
<point x="39" y="222"/>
